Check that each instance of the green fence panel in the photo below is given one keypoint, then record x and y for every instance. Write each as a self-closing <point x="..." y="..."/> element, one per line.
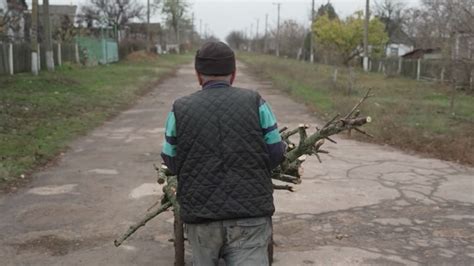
<point x="90" y="50"/>
<point x="112" y="52"/>
<point x="97" y="50"/>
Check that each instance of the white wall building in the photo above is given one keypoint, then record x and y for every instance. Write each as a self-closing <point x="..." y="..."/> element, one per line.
<point x="399" y="44"/>
<point x="397" y="49"/>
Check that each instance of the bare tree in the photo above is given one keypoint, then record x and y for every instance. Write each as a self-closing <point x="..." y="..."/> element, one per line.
<point x="111" y="13"/>
<point x="433" y="24"/>
<point x="292" y="37"/>
<point x="11" y="17"/>
<point x="236" y="39"/>
<point x="174" y="11"/>
<point x="66" y="31"/>
<point x="391" y="13"/>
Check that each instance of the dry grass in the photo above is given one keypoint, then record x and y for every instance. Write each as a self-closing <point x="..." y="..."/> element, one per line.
<point x="407" y="114"/>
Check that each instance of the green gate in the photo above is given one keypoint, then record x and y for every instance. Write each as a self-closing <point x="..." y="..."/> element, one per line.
<point x="94" y="51"/>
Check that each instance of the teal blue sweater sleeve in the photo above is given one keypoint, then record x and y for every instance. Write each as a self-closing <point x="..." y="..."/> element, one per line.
<point x="168" y="152"/>
<point x="271" y="135"/>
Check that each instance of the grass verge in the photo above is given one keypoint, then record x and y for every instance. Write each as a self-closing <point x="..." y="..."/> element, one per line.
<point x="412" y="115"/>
<point x="40" y="115"/>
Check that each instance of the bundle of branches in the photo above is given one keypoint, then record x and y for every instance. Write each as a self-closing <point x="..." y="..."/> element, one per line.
<point x="289" y="171"/>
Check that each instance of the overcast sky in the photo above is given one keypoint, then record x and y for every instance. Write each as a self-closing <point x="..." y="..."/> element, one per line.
<point x="222" y="16"/>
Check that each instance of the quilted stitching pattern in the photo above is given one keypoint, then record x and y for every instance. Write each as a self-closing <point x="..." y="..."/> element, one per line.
<point x="223" y="164"/>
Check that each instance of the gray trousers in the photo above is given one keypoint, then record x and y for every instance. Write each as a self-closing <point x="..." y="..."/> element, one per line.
<point x="240" y="242"/>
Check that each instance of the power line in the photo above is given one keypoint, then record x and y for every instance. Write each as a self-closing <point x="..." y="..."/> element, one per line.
<point x="265" y="47"/>
<point x="366" y="37"/>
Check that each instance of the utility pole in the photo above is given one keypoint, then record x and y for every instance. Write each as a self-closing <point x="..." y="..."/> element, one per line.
<point x="200" y="29"/>
<point x="258" y="22"/>
<point x="366" y="37"/>
<point x="192" y="30"/>
<point x="256" y="36"/>
<point x="148" y="26"/>
<point x="250" y="37"/>
<point x="34" y="37"/>
<point x="278" y="30"/>
<point x="177" y="27"/>
<point x="265" y="44"/>
<point x="48" y="37"/>
<point x="311" y="35"/>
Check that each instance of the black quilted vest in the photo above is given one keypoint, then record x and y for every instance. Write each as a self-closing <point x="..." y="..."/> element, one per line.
<point x="222" y="161"/>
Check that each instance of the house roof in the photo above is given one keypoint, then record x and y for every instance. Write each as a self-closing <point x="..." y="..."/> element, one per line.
<point x="60" y="10"/>
<point x="419" y="53"/>
<point x="400" y="37"/>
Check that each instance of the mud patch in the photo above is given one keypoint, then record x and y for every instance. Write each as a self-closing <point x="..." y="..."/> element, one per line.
<point x="54" y="245"/>
<point x="382" y="261"/>
<point x="51" y="216"/>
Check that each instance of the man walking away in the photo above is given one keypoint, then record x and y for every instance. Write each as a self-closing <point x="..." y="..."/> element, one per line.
<point x="222" y="142"/>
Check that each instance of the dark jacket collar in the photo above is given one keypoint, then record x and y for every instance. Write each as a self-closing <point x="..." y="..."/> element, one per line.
<point x="215" y="84"/>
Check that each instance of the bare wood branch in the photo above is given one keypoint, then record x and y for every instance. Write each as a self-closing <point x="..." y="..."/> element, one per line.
<point x="283" y="129"/>
<point x="287" y="178"/>
<point x="367" y="95"/>
<point x="331" y="121"/>
<point x="283" y="187"/>
<point x="141" y="223"/>
<point x="363" y="132"/>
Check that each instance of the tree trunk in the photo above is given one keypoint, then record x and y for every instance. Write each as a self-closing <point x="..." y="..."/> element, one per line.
<point x="47" y="37"/>
<point x="351" y="80"/>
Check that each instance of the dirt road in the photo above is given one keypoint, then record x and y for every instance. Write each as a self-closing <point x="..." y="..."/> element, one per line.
<point x="366" y="204"/>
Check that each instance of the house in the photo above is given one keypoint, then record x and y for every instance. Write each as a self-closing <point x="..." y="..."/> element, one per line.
<point x="420" y="53"/>
<point x="139" y="31"/>
<point x="57" y="14"/>
<point x="3" y="8"/>
<point x="399" y="44"/>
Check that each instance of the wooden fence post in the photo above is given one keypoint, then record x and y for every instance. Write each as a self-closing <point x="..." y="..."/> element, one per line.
<point x="76" y="52"/>
<point x="418" y="69"/>
<point x="472" y="79"/>
<point x="39" y="57"/>
<point x="10" y="58"/>
<point x="399" y="71"/>
<point x="60" y="58"/>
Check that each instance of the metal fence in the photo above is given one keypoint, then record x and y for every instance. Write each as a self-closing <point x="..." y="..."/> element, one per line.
<point x="425" y="69"/>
